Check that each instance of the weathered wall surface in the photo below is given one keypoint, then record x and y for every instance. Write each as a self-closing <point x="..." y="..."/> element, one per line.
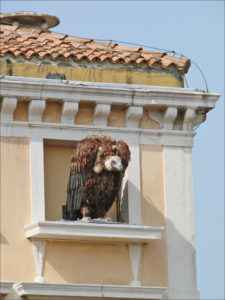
<point x="17" y="257"/>
<point x="96" y="73"/>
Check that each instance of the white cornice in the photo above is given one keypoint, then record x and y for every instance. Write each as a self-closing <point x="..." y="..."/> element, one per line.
<point x="107" y="93"/>
<point x="170" y="107"/>
<point x="55" y="291"/>
<point x="92" y="232"/>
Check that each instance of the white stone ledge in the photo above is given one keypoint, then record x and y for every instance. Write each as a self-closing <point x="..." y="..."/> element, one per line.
<point x="55" y="291"/>
<point x="125" y="94"/>
<point x="69" y="132"/>
<point x="92" y="232"/>
<point x="5" y="287"/>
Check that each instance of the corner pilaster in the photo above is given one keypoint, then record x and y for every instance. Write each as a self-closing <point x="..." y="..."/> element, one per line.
<point x="180" y="229"/>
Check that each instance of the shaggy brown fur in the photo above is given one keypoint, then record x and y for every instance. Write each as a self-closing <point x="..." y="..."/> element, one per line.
<point x="85" y="186"/>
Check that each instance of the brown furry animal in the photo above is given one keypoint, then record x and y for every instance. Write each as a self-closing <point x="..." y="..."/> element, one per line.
<point x="97" y="168"/>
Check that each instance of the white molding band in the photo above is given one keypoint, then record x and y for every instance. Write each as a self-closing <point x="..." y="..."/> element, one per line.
<point x="69" y="111"/>
<point x="5" y="287"/>
<point x="69" y="132"/>
<point x="37" y="179"/>
<point x="7" y="108"/>
<point x="55" y="291"/>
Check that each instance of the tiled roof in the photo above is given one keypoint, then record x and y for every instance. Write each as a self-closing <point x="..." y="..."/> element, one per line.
<point x="29" y="43"/>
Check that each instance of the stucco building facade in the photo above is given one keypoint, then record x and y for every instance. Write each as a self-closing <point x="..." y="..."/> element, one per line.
<point x="56" y="90"/>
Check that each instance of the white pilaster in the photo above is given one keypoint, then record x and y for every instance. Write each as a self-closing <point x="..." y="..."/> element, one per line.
<point x="180" y="231"/>
<point x="133" y="183"/>
<point x="8" y="107"/>
<point x="133" y="115"/>
<point x="69" y="111"/>
<point x="39" y="253"/>
<point x="35" y="110"/>
<point x="37" y="179"/>
<point x="101" y="114"/>
<point x="135" y="254"/>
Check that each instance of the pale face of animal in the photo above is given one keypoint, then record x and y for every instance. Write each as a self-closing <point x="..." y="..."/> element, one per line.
<point x="113" y="164"/>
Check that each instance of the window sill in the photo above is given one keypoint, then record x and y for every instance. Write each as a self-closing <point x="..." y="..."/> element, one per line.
<point x="92" y="232"/>
<point x="54" y="291"/>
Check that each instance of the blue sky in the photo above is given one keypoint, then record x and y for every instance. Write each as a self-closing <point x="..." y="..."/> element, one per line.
<point x="195" y="29"/>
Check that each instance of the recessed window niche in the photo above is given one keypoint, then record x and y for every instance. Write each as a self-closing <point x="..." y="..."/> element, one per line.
<point x="57" y="154"/>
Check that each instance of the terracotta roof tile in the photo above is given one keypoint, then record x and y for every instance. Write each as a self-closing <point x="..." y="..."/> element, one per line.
<point x="101" y="45"/>
<point x="78" y="40"/>
<point x="7" y="27"/>
<point x="139" y="60"/>
<point x="53" y="35"/>
<point x="25" y="29"/>
<point x="153" y="53"/>
<point x="29" y="42"/>
<point x="124" y="48"/>
<point x="6" y="33"/>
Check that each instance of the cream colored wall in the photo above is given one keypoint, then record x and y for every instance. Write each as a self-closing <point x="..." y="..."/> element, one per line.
<point x="52" y="112"/>
<point x="21" y="111"/>
<point x="17" y="258"/>
<point x="153" y="268"/>
<point x="116" y="117"/>
<point x="87" y="263"/>
<point x="85" y="114"/>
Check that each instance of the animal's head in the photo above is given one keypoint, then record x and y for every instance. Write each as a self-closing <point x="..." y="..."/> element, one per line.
<point x="111" y="163"/>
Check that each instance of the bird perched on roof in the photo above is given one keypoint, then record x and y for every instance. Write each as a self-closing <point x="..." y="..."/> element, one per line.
<point x="98" y="165"/>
